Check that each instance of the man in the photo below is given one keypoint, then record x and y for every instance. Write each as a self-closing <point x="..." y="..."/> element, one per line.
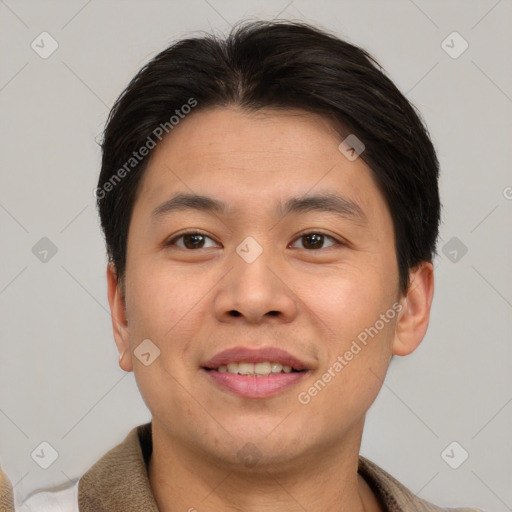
<point x="270" y="206"/>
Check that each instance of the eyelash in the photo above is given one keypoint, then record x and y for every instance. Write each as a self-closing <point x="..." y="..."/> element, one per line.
<point x="302" y="234"/>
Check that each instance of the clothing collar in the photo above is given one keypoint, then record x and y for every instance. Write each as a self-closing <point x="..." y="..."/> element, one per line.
<point x="119" y="481"/>
<point x="6" y="494"/>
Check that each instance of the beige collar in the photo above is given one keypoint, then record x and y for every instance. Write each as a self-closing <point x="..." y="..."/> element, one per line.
<point x="119" y="482"/>
<point x="6" y="495"/>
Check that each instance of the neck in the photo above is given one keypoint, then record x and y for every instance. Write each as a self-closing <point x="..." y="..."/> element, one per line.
<point x="183" y="479"/>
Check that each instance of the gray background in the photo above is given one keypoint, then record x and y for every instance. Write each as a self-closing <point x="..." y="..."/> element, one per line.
<point x="59" y="377"/>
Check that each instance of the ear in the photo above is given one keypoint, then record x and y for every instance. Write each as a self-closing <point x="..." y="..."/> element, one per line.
<point x="120" y="328"/>
<point x="412" y="322"/>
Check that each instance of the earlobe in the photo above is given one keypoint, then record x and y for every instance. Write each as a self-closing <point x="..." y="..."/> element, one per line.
<point x="412" y="322"/>
<point x="120" y="327"/>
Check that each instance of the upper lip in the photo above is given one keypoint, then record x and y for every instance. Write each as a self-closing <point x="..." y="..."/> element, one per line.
<point x="260" y="355"/>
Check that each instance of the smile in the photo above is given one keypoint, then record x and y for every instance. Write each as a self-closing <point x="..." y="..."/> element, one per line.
<point x="243" y="379"/>
<point x="256" y="369"/>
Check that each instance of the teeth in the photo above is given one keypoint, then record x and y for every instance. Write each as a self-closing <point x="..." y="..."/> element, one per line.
<point x="258" y="369"/>
<point x="232" y="368"/>
<point x="262" y="368"/>
<point x="276" y="367"/>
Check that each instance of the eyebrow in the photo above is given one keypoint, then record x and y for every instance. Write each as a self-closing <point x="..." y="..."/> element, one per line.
<point x="324" y="202"/>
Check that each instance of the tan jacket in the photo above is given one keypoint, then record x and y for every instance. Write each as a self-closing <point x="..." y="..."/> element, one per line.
<point x="6" y="498"/>
<point x="118" y="482"/>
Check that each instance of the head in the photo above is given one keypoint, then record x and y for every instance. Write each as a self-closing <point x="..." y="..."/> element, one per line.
<point x="299" y="243"/>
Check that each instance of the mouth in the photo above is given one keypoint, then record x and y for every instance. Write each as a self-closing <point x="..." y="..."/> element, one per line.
<point x="254" y="373"/>
<point x="260" y="369"/>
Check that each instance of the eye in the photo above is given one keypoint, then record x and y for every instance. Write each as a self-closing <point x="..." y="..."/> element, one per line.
<point x="196" y="240"/>
<point x="191" y="240"/>
<point x="315" y="239"/>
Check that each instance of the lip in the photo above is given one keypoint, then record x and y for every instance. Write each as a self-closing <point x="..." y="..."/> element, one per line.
<point x="260" y="355"/>
<point x="248" y="386"/>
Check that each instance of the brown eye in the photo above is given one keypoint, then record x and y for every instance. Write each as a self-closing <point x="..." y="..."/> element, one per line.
<point x="191" y="240"/>
<point x="315" y="240"/>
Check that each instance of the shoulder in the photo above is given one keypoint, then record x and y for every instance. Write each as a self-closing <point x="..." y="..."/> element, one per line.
<point x="6" y="493"/>
<point x="62" y="499"/>
<point x="105" y="482"/>
<point x="396" y="497"/>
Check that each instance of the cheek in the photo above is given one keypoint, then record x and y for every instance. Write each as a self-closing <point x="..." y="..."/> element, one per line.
<point x="160" y="302"/>
<point x="351" y="377"/>
<point x="350" y="298"/>
<point x="163" y="308"/>
<point x="358" y="323"/>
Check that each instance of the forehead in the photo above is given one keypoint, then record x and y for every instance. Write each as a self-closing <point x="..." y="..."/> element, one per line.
<point x="251" y="158"/>
<point x="265" y="135"/>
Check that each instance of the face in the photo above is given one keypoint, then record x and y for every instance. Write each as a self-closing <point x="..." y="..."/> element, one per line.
<point x="277" y="268"/>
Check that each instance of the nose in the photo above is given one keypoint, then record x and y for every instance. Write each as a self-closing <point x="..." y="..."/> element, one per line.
<point x="255" y="291"/>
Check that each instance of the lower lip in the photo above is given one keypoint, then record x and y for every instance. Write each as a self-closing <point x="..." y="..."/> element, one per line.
<point x="255" y="387"/>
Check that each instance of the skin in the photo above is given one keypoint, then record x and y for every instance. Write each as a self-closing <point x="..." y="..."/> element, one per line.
<point x="321" y="298"/>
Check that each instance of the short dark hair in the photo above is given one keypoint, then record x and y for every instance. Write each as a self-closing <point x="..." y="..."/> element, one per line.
<point x="284" y="65"/>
